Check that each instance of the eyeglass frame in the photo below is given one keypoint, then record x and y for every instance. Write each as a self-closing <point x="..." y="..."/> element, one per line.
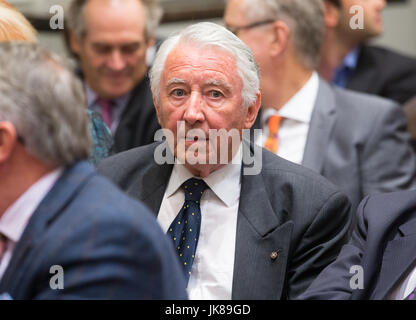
<point x="235" y="30"/>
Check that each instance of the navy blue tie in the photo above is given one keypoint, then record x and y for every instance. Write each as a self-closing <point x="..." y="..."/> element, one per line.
<point x="184" y="230"/>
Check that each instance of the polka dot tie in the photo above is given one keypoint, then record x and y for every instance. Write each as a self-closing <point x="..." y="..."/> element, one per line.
<point x="184" y="230"/>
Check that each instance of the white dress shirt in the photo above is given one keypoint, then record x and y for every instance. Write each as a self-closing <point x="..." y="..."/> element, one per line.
<point x="212" y="270"/>
<point x="297" y="113"/>
<point x="404" y="288"/>
<point x="14" y="220"/>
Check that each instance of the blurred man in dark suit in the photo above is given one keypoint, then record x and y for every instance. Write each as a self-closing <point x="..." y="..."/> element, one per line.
<point x="348" y="61"/>
<point x="110" y="39"/>
<point x="379" y="262"/>
<point x="56" y="213"/>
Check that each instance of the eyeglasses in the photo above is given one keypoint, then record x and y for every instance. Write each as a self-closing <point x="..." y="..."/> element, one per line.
<point x="236" y="30"/>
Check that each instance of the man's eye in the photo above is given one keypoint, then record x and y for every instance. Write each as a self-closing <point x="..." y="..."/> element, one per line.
<point x="178" y="92"/>
<point x="102" y="49"/>
<point x="215" y="94"/>
<point x="129" y="49"/>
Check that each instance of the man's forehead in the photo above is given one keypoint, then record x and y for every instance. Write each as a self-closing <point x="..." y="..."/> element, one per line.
<point x="197" y="56"/>
<point x="115" y="19"/>
<point x="216" y="82"/>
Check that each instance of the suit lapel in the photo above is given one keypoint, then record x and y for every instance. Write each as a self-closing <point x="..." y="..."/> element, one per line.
<point x="320" y="128"/>
<point x="156" y="180"/>
<point x="260" y="237"/>
<point x="49" y="209"/>
<point x="398" y="257"/>
<point x="150" y="186"/>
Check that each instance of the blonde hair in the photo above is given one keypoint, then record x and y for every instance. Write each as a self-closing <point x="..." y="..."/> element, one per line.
<point x="13" y="25"/>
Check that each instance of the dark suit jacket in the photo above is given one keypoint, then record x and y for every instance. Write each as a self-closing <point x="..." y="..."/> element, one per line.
<point x="359" y="142"/>
<point x="108" y="245"/>
<point x="384" y="73"/>
<point x="138" y="122"/>
<point x="286" y="209"/>
<point x="383" y="244"/>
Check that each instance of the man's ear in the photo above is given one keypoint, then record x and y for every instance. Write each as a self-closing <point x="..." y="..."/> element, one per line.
<point x="252" y="112"/>
<point x="156" y="104"/>
<point x="281" y="32"/>
<point x="331" y="14"/>
<point x="8" y="140"/>
<point x="74" y="43"/>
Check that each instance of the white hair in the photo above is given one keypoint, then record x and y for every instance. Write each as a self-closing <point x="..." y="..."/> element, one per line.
<point x="45" y="102"/>
<point x="213" y="35"/>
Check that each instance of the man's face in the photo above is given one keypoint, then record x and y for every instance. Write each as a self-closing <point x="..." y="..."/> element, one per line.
<point x="113" y="51"/>
<point x="257" y="38"/>
<point x="201" y="88"/>
<point x="373" y="23"/>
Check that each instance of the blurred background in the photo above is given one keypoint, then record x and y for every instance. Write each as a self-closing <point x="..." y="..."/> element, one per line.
<point x="399" y="20"/>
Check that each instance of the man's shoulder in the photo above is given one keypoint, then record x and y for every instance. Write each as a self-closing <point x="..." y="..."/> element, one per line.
<point x="101" y="199"/>
<point x="386" y="57"/>
<point x="280" y="172"/>
<point x="389" y="206"/>
<point x="124" y="163"/>
<point x="362" y="103"/>
<point x="102" y="226"/>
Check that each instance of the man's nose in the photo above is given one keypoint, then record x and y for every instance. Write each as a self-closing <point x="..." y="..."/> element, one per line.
<point x="116" y="61"/>
<point x="381" y="4"/>
<point x="194" y="112"/>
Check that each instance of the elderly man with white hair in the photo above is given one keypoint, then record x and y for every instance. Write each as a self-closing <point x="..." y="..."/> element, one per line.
<point x="239" y="233"/>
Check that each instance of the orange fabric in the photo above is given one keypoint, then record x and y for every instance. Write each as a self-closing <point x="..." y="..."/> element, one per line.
<point x="272" y="142"/>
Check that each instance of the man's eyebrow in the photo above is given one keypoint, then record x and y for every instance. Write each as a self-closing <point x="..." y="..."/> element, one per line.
<point x="218" y="83"/>
<point x="175" y="81"/>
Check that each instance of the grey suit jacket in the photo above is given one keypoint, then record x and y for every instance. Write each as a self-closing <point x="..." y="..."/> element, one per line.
<point x="383" y="245"/>
<point x="359" y="142"/>
<point x="286" y="209"/>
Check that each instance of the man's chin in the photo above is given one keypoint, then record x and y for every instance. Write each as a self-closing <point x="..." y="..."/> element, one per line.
<point x="115" y="89"/>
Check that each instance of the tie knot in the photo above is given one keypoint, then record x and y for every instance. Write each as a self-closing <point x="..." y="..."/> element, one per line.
<point x="105" y="103"/>
<point x="274" y="123"/>
<point x="194" y="188"/>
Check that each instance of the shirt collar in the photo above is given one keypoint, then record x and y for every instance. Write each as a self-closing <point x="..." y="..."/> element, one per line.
<point x="351" y="59"/>
<point x="300" y="106"/>
<point x="15" y="218"/>
<point x="224" y="182"/>
<point x="92" y="97"/>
